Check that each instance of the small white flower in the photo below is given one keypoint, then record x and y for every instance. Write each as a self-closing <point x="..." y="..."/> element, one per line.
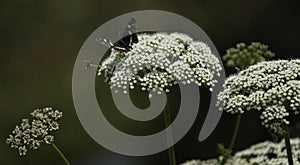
<point x="266" y="153"/>
<point x="30" y="135"/>
<point x="202" y="162"/>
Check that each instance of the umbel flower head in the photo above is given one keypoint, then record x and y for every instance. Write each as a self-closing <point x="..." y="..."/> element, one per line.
<point x="159" y="61"/>
<point x="273" y="88"/>
<point x="263" y="153"/>
<point x="203" y="162"/>
<point x="268" y="153"/>
<point x="243" y="56"/>
<point x="31" y="134"/>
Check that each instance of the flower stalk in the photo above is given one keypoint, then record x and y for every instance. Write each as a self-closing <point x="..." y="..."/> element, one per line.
<point x="239" y="58"/>
<point x="158" y="62"/>
<point x="61" y="154"/>
<point x="31" y="134"/>
<point x="233" y="139"/>
<point x="171" y="150"/>
<point x="236" y="130"/>
<point x="287" y="143"/>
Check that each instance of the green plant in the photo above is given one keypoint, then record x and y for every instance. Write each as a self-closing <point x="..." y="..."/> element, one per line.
<point x="239" y="58"/>
<point x="272" y="88"/>
<point x="159" y="61"/>
<point x="31" y="134"/>
<point x="243" y="56"/>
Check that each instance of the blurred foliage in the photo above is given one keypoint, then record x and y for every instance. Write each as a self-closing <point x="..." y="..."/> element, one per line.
<point x="226" y="153"/>
<point x="40" y="40"/>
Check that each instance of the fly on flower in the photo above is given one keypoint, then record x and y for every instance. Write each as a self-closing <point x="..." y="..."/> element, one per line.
<point x="129" y="37"/>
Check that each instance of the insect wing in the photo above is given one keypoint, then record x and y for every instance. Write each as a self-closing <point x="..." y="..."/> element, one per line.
<point x="109" y="44"/>
<point x="105" y="42"/>
<point x="130" y="28"/>
<point x="128" y="35"/>
<point x="134" y="38"/>
<point x="128" y="38"/>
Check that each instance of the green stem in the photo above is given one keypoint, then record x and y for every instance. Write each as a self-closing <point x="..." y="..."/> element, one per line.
<point x="287" y="143"/>
<point x="233" y="139"/>
<point x="61" y="154"/>
<point x="171" y="150"/>
<point x="236" y="130"/>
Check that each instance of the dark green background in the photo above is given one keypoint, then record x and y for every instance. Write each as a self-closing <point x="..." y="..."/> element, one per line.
<point x="40" y="40"/>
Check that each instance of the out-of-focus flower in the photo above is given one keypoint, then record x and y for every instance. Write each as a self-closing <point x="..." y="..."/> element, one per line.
<point x="266" y="153"/>
<point x="31" y="134"/>
<point x="209" y="162"/>
<point x="202" y="162"/>
<point x="243" y="56"/>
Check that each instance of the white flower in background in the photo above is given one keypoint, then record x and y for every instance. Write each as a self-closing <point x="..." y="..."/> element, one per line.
<point x="210" y="162"/>
<point x="159" y="61"/>
<point x="30" y="135"/>
<point x="273" y="88"/>
<point x="266" y="153"/>
<point x="202" y="162"/>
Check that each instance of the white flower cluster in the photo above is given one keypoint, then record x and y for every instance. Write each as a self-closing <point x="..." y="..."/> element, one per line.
<point x="264" y="153"/>
<point x="30" y="135"/>
<point x="203" y="162"/>
<point x="270" y="87"/>
<point x="160" y="60"/>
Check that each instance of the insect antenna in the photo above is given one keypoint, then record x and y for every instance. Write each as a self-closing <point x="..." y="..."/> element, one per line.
<point x="90" y="64"/>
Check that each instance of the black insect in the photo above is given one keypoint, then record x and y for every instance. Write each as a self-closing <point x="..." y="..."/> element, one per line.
<point x="129" y="37"/>
<point x="276" y="131"/>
